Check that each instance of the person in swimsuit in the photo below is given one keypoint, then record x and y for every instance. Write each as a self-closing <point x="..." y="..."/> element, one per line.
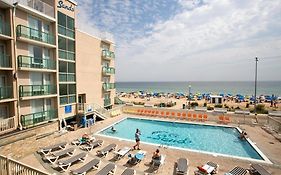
<point x="137" y="137"/>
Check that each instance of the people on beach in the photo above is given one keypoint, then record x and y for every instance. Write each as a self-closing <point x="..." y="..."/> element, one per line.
<point x="113" y="129"/>
<point x="243" y="135"/>
<point x="137" y="138"/>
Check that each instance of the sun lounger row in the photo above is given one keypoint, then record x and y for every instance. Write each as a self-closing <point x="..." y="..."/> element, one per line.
<point x="168" y="114"/>
<point x="224" y="119"/>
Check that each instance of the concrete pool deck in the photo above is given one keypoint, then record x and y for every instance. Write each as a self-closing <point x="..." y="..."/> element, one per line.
<point x="25" y="151"/>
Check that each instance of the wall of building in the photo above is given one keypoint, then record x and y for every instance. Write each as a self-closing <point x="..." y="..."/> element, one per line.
<point x="89" y="67"/>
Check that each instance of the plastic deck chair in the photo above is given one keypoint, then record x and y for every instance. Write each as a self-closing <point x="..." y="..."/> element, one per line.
<point x="189" y="116"/>
<point x="183" y="115"/>
<point x="226" y="119"/>
<point x="205" y="117"/>
<point x="194" y="116"/>
<point x="221" y="118"/>
<point x="200" y="117"/>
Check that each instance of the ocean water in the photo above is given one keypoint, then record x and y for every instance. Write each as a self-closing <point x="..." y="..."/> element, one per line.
<point x="232" y="87"/>
<point x="215" y="139"/>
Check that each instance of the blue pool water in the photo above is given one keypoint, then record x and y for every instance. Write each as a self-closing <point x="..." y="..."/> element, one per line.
<point x="215" y="139"/>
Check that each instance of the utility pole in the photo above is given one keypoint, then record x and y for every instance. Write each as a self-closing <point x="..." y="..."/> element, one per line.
<point x="256" y="75"/>
<point x="189" y="89"/>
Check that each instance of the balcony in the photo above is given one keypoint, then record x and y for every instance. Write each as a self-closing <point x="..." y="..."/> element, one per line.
<point x="37" y="90"/>
<point x="6" y="92"/>
<point x="107" y="102"/>
<point x="108" y="86"/>
<point x="36" y="63"/>
<point x="108" y="70"/>
<point x="38" y="7"/>
<point x="5" y="61"/>
<point x="5" y="28"/>
<point x="35" y="36"/>
<point x="108" y="55"/>
<point x="33" y="119"/>
<point x="67" y="77"/>
<point x="8" y="124"/>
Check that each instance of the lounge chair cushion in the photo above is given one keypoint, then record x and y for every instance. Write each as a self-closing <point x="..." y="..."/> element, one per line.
<point x="258" y="169"/>
<point x="107" y="149"/>
<point x="237" y="171"/>
<point x="93" y="163"/>
<point x="182" y="165"/>
<point x="129" y="171"/>
<point x="72" y="159"/>
<point x="107" y="169"/>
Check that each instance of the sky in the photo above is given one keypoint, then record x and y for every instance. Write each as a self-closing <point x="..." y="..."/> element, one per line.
<point x="188" y="40"/>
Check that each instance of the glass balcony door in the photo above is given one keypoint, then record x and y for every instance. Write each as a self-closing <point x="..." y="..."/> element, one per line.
<point x="1" y="23"/>
<point x="3" y="84"/>
<point x="37" y="26"/>
<point x="4" y="112"/>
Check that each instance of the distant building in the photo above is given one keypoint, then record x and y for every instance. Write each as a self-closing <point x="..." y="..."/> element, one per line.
<point x="216" y="99"/>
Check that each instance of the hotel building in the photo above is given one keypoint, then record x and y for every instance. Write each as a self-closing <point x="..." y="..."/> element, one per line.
<point x="50" y="71"/>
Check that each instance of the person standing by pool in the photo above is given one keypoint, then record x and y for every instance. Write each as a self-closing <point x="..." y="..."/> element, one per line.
<point x="137" y="137"/>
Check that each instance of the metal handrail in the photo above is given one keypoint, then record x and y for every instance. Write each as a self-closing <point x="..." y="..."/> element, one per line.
<point x="32" y="62"/>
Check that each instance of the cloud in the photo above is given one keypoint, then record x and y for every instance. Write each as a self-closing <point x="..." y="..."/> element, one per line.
<point x="189" y="40"/>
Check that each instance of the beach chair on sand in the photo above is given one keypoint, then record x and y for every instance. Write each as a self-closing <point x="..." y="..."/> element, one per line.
<point x="93" y="164"/>
<point x="121" y="152"/>
<point x="47" y="150"/>
<point x="182" y="166"/>
<point x="129" y="171"/>
<point x="65" y="164"/>
<point x="207" y="169"/>
<point x="108" y="169"/>
<point x="257" y="169"/>
<point x="104" y="152"/>
<point x="53" y="157"/>
<point x="237" y="171"/>
<point x="92" y="145"/>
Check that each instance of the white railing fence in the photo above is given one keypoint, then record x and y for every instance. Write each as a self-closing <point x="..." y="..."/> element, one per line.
<point x="39" y="6"/>
<point x="9" y="166"/>
<point x="7" y="125"/>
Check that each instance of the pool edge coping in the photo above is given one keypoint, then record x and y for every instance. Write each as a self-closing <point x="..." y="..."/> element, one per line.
<point x="265" y="159"/>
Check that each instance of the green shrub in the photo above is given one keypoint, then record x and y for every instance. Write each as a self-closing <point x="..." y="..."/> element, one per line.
<point x="210" y="108"/>
<point x="193" y="104"/>
<point x="237" y="107"/>
<point x="247" y="105"/>
<point x="225" y="105"/>
<point x="218" y="106"/>
<point x="205" y="104"/>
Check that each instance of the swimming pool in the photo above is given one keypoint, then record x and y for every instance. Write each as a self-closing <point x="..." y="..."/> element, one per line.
<point x="204" y="138"/>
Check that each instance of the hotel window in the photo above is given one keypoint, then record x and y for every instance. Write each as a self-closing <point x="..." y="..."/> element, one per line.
<point x="67" y="93"/>
<point x="66" y="25"/>
<point x="66" y="48"/>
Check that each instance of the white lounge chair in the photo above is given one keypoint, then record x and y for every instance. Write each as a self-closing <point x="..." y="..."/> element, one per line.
<point x="121" y="152"/>
<point x="237" y="171"/>
<point x="182" y="166"/>
<point x="109" y="169"/>
<point x="47" y="150"/>
<point x="65" y="164"/>
<point x="92" y="145"/>
<point x="93" y="164"/>
<point x="53" y="157"/>
<point x="207" y="169"/>
<point x="104" y="152"/>
<point x="80" y="141"/>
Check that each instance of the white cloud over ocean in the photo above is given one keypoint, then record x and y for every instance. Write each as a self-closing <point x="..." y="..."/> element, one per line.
<point x="189" y="40"/>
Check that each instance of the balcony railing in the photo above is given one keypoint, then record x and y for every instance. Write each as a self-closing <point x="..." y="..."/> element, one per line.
<point x="34" y="34"/>
<point x="37" y="90"/>
<point x="38" y="117"/>
<point x="108" y="54"/>
<point x="107" y="102"/>
<point x="37" y="63"/>
<point x="6" y="92"/>
<point x="67" y="77"/>
<point x="5" y="28"/>
<point x="7" y="124"/>
<point x="67" y="55"/>
<point x="108" y="70"/>
<point x="108" y="86"/>
<point x="39" y="6"/>
<point x="5" y="61"/>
